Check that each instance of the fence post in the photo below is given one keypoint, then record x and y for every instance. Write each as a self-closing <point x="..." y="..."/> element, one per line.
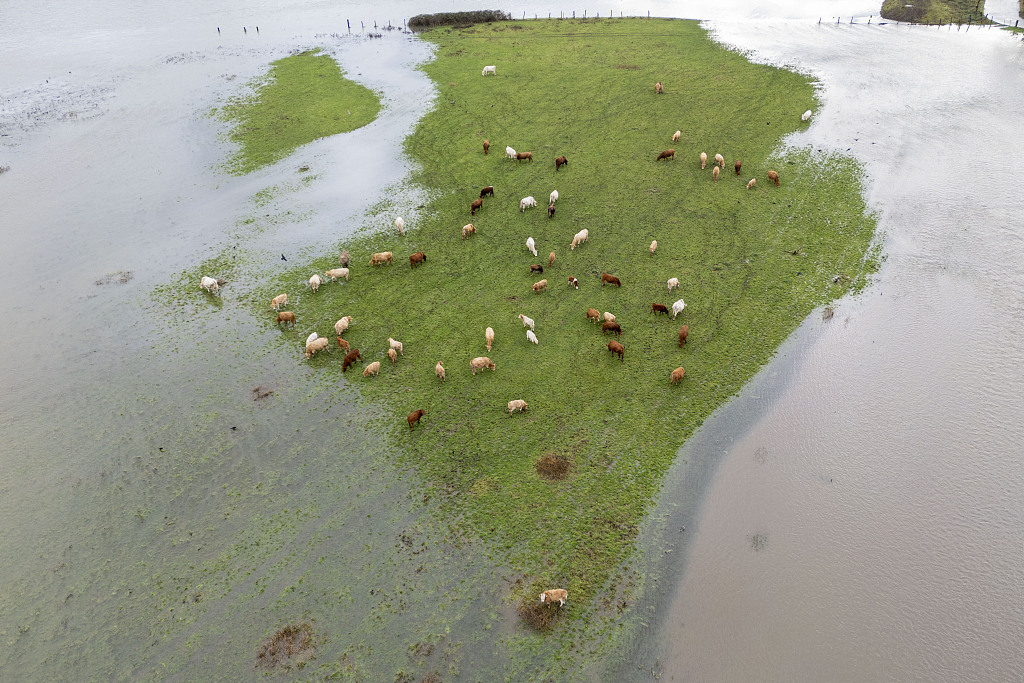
<point x="870" y="18"/>
<point x="349" y="25"/>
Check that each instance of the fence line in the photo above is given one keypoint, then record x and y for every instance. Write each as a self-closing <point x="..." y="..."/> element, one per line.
<point x="882" y="21"/>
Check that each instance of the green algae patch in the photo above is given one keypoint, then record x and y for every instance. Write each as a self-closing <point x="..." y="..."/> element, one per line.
<point x="304" y="97"/>
<point x="752" y="263"/>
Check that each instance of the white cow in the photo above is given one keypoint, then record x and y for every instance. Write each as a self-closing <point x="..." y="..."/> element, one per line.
<point x="527" y="203"/>
<point x="492" y="69"/>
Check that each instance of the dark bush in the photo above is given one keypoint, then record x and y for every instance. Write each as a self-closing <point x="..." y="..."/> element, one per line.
<point x="458" y="19"/>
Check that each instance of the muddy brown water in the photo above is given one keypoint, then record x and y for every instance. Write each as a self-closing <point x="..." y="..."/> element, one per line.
<point x="854" y="514"/>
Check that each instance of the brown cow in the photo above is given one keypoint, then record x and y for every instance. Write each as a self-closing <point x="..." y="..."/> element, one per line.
<point x="607" y="326"/>
<point x="414" y="417"/>
<point x="610" y="279"/>
<point x="381" y="258"/>
<point x="714" y="173"/>
<point x="551" y="259"/>
<point x="658" y="89"/>
<point x="524" y="155"/>
<point x="477" y="204"/>
<point x="538" y="286"/>
<point x="617" y="348"/>
<point x="560" y="161"/>
<point x="684" y="332"/>
<point x="487" y="146"/>
<point x="350" y="358"/>
<point x="659" y="308"/>
<point x="536" y="268"/>
<point x="667" y="154"/>
<point x="416" y="259"/>
<point x="593" y="314"/>
<point x="738" y="165"/>
<point x="343" y="343"/>
<point x="551" y="210"/>
<point x="677" y="376"/>
<point x="573" y="282"/>
<point x="286" y="317"/>
<point x="774" y="177"/>
<point x="489" y="190"/>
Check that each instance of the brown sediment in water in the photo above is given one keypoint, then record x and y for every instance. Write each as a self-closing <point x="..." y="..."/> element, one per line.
<point x="541" y="616"/>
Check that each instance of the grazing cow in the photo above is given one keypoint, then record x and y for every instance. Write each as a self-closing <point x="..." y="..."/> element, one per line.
<point x="490" y="69"/>
<point x="278" y="301"/>
<point x="551" y="259"/>
<point x="714" y="173"/>
<point x="738" y="165"/>
<point x="342" y="325"/>
<point x="481" y="363"/>
<point x="527" y="203"/>
<point x="210" y="284"/>
<point x="560" y="161"/>
<point x="439" y="371"/>
<point x="806" y="116"/>
<point x="531" y="245"/>
<point x="414" y="416"/>
<point x="527" y="322"/>
<point x="344" y="258"/>
<point x="487" y="146"/>
<point x="659" y="308"/>
<point x="395" y="345"/>
<point x="524" y="155"/>
<point x="538" y="286"/>
<point x="315" y="282"/>
<point x="673" y="282"/>
<point x="351" y="357"/>
<point x="536" y="268"/>
<point x="774" y="177"/>
<point x="677" y="376"/>
<point x="335" y="273"/>
<point x="618" y="349"/>
<point x="393" y="355"/>
<point x="609" y="317"/>
<point x="579" y="238"/>
<point x="667" y="154"/>
<point x="516" y="406"/>
<point x="654" y="246"/>
<point x="530" y="336"/>
<point x="553" y="197"/>
<point x="658" y="89"/>
<point x="573" y="282"/>
<point x="593" y="314"/>
<point x="720" y="160"/>
<point x="510" y="153"/>
<point x="477" y="204"/>
<point x="400" y="225"/>
<point x="316" y="346"/>
<point x="381" y="258"/>
<point x="675" y="136"/>
<point x="372" y="369"/>
<point x="467" y="230"/>
<point x="489" y="337"/>
<point x="551" y="210"/>
<point x="677" y="308"/>
<point x="684" y="332"/>
<point x="750" y="185"/>
<point x="703" y="160"/>
<point x="416" y="259"/>
<point x="610" y="279"/>
<point x="608" y="326"/>
<point x="286" y="317"/>
<point x="559" y="595"/>
<point x="489" y="190"/>
<point x="343" y="344"/>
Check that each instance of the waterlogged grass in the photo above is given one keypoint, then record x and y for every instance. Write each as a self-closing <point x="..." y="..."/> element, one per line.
<point x="752" y="265"/>
<point x="935" y="11"/>
<point x="304" y="97"/>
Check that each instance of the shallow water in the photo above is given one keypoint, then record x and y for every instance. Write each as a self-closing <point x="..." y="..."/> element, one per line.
<point x="862" y="498"/>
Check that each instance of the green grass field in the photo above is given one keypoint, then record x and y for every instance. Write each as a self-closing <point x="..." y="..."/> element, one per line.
<point x="304" y="97"/>
<point x="752" y="266"/>
<point x="935" y="11"/>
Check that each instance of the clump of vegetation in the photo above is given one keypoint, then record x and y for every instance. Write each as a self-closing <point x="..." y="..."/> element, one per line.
<point x="304" y="97"/>
<point x="541" y="616"/>
<point x="753" y="265"/>
<point x="934" y="11"/>
<point x="291" y="646"/>
<point x="553" y="467"/>
<point x="421" y="22"/>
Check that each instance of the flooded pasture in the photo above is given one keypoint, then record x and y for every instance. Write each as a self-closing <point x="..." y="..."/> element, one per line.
<point x="855" y="513"/>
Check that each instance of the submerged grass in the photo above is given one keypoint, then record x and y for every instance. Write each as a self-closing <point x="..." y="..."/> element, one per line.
<point x="935" y="11"/>
<point x="304" y="97"/>
<point x="753" y="264"/>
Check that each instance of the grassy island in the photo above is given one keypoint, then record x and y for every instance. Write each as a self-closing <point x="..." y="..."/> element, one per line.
<point x="304" y="97"/>
<point x="753" y="264"/>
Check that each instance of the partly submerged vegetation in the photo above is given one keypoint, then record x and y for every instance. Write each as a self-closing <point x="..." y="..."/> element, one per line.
<point x="422" y="22"/>
<point x="304" y="97"/>
<point x="753" y="264"/>
<point x="935" y="11"/>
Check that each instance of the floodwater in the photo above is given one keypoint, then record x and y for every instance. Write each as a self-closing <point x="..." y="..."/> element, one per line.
<point x="861" y="500"/>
